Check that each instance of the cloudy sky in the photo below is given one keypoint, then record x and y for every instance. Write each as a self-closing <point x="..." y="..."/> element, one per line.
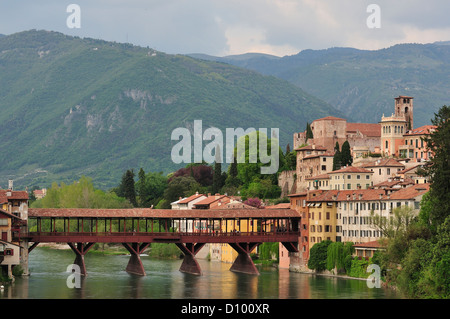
<point x="224" y="27"/>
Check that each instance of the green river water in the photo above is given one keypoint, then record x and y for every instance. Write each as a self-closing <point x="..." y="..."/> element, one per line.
<point x="107" y="279"/>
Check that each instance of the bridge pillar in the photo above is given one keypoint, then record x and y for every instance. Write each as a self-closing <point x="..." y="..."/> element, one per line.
<point x="243" y="263"/>
<point x="135" y="266"/>
<point x="190" y="264"/>
<point x="80" y="250"/>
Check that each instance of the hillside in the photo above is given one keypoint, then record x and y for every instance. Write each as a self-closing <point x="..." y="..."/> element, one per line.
<point x="362" y="84"/>
<point x="71" y="106"/>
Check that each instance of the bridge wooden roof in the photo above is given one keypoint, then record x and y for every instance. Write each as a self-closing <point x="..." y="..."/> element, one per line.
<point x="161" y="213"/>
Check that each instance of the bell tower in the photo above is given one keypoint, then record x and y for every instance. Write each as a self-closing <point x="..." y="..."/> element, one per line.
<point x="404" y="107"/>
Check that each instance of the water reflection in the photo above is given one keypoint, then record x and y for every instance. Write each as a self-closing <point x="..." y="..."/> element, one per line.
<point x="107" y="279"/>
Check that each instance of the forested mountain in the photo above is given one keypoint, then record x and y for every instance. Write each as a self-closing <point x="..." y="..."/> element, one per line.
<point x="362" y="83"/>
<point x="72" y="106"/>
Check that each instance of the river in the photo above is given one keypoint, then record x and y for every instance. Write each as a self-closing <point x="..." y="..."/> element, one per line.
<point x="107" y="279"/>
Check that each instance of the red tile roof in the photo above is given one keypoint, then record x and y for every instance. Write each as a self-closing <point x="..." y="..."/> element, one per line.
<point x="411" y="192"/>
<point x="14" y="195"/>
<point x="371" y="194"/>
<point x="322" y="176"/>
<point x="280" y="205"/>
<point x="386" y="162"/>
<point x="161" y="213"/>
<point x="311" y="148"/>
<point x="368" y="129"/>
<point x="190" y="198"/>
<point x="330" y="118"/>
<point x="210" y="199"/>
<point x="426" y="129"/>
<point x="370" y="244"/>
<point x="326" y="154"/>
<point x="351" y="169"/>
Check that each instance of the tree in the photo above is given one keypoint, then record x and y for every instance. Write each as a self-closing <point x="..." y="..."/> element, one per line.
<point x="337" y="158"/>
<point x="318" y="256"/>
<point x="202" y="173"/>
<point x="140" y="187"/>
<point x="218" y="180"/>
<point x="127" y="188"/>
<point x="180" y="186"/>
<point x="254" y="202"/>
<point x="80" y="194"/>
<point x="438" y="170"/>
<point x="309" y="133"/>
<point x="346" y="155"/>
<point x="400" y="220"/>
<point x="290" y="159"/>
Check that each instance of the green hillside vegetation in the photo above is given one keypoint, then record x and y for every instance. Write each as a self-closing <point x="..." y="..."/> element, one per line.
<point x="362" y="83"/>
<point x="71" y="107"/>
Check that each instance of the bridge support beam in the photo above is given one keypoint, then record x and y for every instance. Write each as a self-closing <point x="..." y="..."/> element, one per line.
<point x="243" y="262"/>
<point x="190" y="264"/>
<point x="80" y="250"/>
<point x="135" y="266"/>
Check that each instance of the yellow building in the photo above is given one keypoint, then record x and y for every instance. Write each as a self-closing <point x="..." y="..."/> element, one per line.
<point x="350" y="178"/>
<point x="235" y="226"/>
<point x="322" y="217"/>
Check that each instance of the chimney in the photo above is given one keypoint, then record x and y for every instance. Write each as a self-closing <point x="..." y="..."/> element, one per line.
<point x="11" y="184"/>
<point x="360" y="196"/>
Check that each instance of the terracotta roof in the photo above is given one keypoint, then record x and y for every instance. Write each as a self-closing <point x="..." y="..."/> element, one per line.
<point x="387" y="162"/>
<point x="14" y="195"/>
<point x="371" y="194"/>
<point x="411" y="192"/>
<point x="234" y="205"/>
<point x="326" y="154"/>
<point x="351" y="169"/>
<point x="297" y="194"/>
<point x="160" y="213"/>
<point x="210" y="199"/>
<point x="370" y="244"/>
<point x="190" y="198"/>
<point x="311" y="148"/>
<point x="4" y="212"/>
<point x="329" y="118"/>
<point x="426" y="129"/>
<point x="368" y="129"/>
<point x="322" y="176"/>
<point x="280" y="205"/>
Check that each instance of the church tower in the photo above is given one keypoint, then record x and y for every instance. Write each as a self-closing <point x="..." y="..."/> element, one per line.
<point x="404" y="107"/>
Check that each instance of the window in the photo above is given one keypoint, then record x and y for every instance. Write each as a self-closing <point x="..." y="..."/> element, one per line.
<point x="328" y="215"/>
<point x="358" y="176"/>
<point x="3" y="222"/>
<point x="349" y="186"/>
<point x="389" y="171"/>
<point x="367" y="176"/>
<point x="324" y="167"/>
<point x="320" y="215"/>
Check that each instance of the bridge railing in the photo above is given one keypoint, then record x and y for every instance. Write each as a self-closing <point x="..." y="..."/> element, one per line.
<point x="160" y="234"/>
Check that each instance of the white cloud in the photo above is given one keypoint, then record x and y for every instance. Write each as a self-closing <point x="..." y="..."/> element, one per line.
<point x="219" y="27"/>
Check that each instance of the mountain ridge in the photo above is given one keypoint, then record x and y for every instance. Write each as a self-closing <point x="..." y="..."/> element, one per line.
<point x="91" y="107"/>
<point x="363" y="83"/>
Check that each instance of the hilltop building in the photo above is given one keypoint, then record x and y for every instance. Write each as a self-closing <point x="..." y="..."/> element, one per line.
<point x="13" y="221"/>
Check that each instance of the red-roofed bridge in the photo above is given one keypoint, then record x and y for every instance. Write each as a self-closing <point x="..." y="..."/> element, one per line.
<point x="189" y="229"/>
